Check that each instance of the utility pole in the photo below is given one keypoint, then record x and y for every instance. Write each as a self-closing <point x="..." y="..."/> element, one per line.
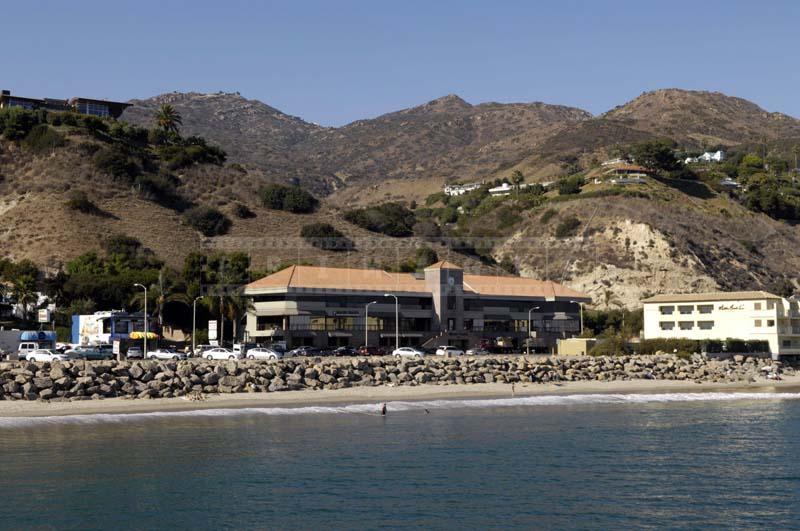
<point x="528" y="342"/>
<point x="366" y="323"/>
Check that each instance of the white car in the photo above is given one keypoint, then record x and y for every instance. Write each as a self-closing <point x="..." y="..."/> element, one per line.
<point x="165" y="354"/>
<point x="263" y="353"/>
<point x="219" y="353"/>
<point x="407" y="351"/>
<point x="447" y="350"/>
<point x="46" y="355"/>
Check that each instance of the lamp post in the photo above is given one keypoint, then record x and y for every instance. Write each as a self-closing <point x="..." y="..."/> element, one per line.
<point x="144" y="349"/>
<point x="528" y="341"/>
<point x="396" y="319"/>
<point x="194" y="322"/>
<point x="580" y="306"/>
<point x="366" y="323"/>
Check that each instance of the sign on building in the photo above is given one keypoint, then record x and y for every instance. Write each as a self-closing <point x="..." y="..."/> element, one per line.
<point x="212" y="330"/>
<point x="44" y="316"/>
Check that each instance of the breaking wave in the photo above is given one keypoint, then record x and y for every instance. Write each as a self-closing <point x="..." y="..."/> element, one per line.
<point x="373" y="409"/>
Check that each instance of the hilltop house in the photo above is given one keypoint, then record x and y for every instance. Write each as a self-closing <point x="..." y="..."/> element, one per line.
<point x="90" y="106"/>
<point x="717" y="156"/>
<point x="461" y="189"/>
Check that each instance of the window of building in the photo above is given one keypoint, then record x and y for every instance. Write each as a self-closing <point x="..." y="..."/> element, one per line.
<point x="758" y="323"/>
<point x="705" y="308"/>
<point x="667" y="325"/>
<point x="770" y="322"/>
<point x="770" y="305"/>
<point x="451" y="302"/>
<point x="756" y="305"/>
<point x="705" y="325"/>
<point x="469" y="324"/>
<point x="786" y="343"/>
<point x="666" y="310"/>
<point x="685" y="325"/>
<point x="685" y="309"/>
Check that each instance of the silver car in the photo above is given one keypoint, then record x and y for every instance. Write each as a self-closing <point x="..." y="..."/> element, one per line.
<point x="46" y="355"/>
<point x="220" y="353"/>
<point x="165" y="354"/>
<point x="263" y="353"/>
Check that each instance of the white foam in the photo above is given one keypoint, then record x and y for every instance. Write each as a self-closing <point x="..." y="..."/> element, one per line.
<point x="373" y="409"/>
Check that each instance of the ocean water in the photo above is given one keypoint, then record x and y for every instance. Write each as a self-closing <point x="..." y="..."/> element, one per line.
<point x="678" y="461"/>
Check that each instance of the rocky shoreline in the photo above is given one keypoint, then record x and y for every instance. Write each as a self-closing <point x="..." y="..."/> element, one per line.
<point x="84" y="380"/>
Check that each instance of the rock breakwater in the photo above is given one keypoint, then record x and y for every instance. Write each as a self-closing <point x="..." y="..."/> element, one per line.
<point x="84" y="380"/>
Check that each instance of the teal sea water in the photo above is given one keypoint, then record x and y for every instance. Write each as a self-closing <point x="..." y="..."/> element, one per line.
<point x="571" y="462"/>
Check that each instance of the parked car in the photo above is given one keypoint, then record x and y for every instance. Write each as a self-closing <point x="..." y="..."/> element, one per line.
<point x="263" y="353"/>
<point x="407" y="352"/>
<point x="477" y="351"/>
<point x="344" y="351"/>
<point x="165" y="354"/>
<point x="200" y="349"/>
<point x="305" y="351"/>
<point x="135" y="353"/>
<point x="99" y="352"/>
<point x="371" y="351"/>
<point x="447" y="350"/>
<point x="46" y="355"/>
<point x="220" y="353"/>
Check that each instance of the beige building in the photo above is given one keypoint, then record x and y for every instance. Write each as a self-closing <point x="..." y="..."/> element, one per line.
<point x="745" y="315"/>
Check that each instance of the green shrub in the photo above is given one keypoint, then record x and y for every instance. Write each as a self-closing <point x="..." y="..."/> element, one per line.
<point x="547" y="215"/>
<point x="16" y="123"/>
<point x="42" y="139"/>
<point x="325" y="236"/>
<point x="507" y="217"/>
<point x="288" y="198"/>
<point x="567" y="227"/>
<point x="208" y="220"/>
<point x="242" y="211"/>
<point x="612" y="346"/>
<point x="425" y="256"/>
<point x="80" y="202"/>
<point x="116" y="161"/>
<point x="392" y="219"/>
<point x="570" y="185"/>
<point x="190" y="151"/>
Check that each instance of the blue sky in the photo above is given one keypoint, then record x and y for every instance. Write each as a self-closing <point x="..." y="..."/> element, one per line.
<point x="333" y="62"/>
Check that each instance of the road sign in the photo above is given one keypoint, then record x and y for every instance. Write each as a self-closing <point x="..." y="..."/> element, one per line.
<point x="212" y="330"/>
<point x="44" y="316"/>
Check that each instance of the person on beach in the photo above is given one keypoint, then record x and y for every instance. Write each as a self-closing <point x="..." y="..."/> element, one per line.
<point x="383" y="409"/>
<point x="512" y="389"/>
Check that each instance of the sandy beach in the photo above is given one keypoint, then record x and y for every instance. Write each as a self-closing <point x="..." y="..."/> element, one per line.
<point x="354" y="395"/>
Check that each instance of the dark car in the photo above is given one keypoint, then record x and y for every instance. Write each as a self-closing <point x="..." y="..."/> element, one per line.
<point x="372" y="351"/>
<point x="305" y="351"/>
<point x="344" y="351"/>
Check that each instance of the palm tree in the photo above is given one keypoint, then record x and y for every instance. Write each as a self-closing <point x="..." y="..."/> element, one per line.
<point x="236" y="306"/>
<point x="161" y="294"/>
<point x="24" y="291"/>
<point x="168" y="119"/>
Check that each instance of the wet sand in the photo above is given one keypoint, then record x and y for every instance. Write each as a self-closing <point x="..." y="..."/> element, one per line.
<point x="354" y="395"/>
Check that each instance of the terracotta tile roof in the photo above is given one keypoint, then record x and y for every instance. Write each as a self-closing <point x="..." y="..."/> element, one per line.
<point x="311" y="277"/>
<point x="520" y="287"/>
<point x="713" y="297"/>
<point x="443" y="264"/>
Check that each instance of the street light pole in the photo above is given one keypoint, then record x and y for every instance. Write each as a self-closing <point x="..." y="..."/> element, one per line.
<point x="528" y="341"/>
<point x="396" y="319"/>
<point x="144" y="350"/>
<point x="194" y="322"/>
<point x="580" y="306"/>
<point x="366" y="323"/>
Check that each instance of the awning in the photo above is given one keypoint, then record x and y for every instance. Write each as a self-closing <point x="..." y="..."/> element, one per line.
<point x="340" y="334"/>
<point x="403" y="334"/>
<point x="140" y="335"/>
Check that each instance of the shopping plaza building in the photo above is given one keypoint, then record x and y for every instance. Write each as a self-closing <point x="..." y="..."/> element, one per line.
<point x="744" y="315"/>
<point x="327" y="307"/>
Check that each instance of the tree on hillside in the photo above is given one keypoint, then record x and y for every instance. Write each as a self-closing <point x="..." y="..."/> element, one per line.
<point x="517" y="178"/>
<point x="656" y="155"/>
<point x="168" y="119"/>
